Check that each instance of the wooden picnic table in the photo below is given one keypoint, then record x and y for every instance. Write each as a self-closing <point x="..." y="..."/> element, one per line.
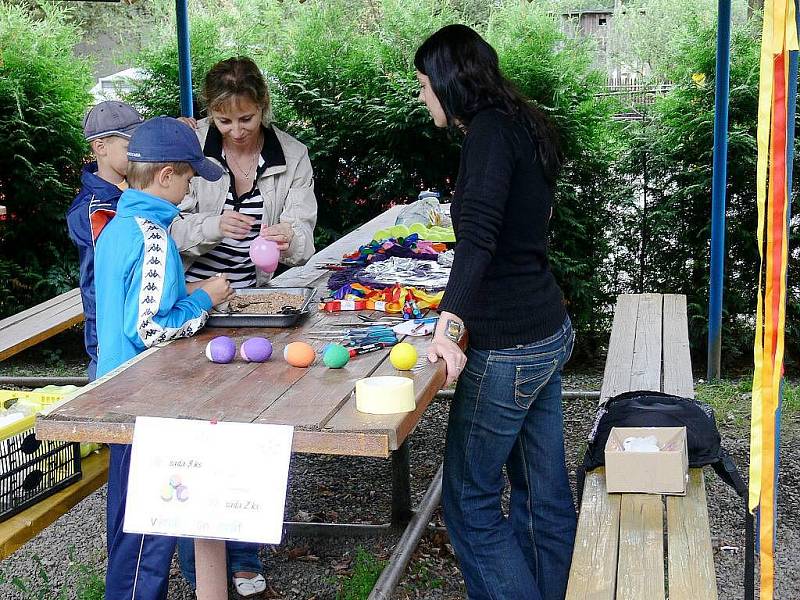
<point x="176" y="380"/>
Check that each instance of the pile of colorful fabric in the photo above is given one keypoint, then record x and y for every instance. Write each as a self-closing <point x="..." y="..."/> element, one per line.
<point x="407" y="247"/>
<point x="409" y="301"/>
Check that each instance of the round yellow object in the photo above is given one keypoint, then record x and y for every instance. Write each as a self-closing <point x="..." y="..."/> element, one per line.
<point x="299" y="354"/>
<point x="403" y="356"/>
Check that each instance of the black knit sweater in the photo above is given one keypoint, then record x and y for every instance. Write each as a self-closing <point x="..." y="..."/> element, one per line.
<point x="500" y="283"/>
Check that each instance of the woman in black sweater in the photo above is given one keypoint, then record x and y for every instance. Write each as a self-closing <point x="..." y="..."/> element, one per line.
<point x="507" y="406"/>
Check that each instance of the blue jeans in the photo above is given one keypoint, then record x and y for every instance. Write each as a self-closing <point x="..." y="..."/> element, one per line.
<point x="507" y="412"/>
<point x="242" y="556"/>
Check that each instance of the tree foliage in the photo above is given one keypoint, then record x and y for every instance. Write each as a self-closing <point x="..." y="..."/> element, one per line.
<point x="43" y="95"/>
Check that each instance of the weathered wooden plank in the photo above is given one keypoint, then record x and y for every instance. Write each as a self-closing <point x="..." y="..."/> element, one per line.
<point x="640" y="572"/>
<point x="593" y="573"/>
<point x="691" y="562"/>
<point x="428" y="379"/>
<point x="39" y="323"/>
<point x="677" y="358"/>
<point x="67" y="299"/>
<point x="20" y="528"/>
<point x="646" y="369"/>
<point x="374" y="444"/>
<point x="619" y="362"/>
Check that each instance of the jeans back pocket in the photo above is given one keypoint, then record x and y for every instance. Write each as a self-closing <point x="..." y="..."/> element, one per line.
<point x="530" y="379"/>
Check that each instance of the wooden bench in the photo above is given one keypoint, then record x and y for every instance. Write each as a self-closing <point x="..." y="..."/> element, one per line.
<point x="619" y="548"/>
<point x="40" y="322"/>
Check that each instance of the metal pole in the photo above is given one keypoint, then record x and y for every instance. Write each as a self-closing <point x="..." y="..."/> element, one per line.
<point x="567" y="394"/>
<point x="721" y="97"/>
<point x="35" y="381"/>
<point x="391" y="575"/>
<point x="184" y="57"/>
<point x="401" y="486"/>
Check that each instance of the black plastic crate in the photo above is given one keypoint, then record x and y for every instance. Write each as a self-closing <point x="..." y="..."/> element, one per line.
<point x="31" y="470"/>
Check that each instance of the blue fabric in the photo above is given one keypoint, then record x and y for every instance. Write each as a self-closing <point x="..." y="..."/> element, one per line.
<point x="95" y="194"/>
<point x="141" y="291"/>
<point x="507" y="412"/>
<point x="138" y="565"/>
<point x="242" y="558"/>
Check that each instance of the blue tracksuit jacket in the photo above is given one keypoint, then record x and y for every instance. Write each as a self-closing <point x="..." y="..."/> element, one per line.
<point x="141" y="301"/>
<point x="141" y="291"/>
<point x="92" y="208"/>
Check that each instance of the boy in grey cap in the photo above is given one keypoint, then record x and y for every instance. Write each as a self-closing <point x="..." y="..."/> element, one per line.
<point x="107" y="127"/>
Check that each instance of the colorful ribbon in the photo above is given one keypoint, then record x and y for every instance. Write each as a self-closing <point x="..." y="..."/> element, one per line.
<point x="391" y="299"/>
<point x="778" y="39"/>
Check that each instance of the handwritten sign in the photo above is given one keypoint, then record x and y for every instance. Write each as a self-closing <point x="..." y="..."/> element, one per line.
<point x="208" y="480"/>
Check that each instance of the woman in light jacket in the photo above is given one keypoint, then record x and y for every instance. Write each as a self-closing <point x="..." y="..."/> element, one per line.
<point x="267" y="189"/>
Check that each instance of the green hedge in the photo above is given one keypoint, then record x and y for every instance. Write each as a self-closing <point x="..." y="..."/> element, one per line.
<point x="43" y="95"/>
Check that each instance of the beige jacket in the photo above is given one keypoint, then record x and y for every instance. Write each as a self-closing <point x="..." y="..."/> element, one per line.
<point x="288" y="193"/>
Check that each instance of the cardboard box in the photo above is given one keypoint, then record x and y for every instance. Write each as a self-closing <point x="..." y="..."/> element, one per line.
<point x="662" y="472"/>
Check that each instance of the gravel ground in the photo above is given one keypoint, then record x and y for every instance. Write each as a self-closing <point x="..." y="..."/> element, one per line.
<point x="357" y="490"/>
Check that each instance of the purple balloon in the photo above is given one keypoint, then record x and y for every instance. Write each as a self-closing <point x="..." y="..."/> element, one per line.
<point x="256" y="349"/>
<point x="221" y="349"/>
<point x="264" y="254"/>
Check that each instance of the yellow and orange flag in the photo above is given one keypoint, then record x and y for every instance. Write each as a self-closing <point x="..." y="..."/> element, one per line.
<point x="773" y="172"/>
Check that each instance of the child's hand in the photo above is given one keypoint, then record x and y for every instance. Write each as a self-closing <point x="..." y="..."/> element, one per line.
<point x="218" y="289"/>
<point x="280" y="233"/>
<point x="235" y="225"/>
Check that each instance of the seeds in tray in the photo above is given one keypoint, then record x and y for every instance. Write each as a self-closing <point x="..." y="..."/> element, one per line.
<point x="264" y="304"/>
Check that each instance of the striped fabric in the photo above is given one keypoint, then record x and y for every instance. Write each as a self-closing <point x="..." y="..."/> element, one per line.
<point x="232" y="257"/>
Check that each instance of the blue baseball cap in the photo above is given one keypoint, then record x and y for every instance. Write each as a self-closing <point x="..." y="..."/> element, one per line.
<point x="164" y="139"/>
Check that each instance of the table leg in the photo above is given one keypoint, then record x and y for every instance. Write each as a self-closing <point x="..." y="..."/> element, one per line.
<point x="211" y="569"/>
<point x="401" y="486"/>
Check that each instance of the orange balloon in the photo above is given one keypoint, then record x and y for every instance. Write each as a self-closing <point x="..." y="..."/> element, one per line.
<point x="299" y="354"/>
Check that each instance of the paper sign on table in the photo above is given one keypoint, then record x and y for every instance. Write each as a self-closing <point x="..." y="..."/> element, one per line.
<point x="208" y="480"/>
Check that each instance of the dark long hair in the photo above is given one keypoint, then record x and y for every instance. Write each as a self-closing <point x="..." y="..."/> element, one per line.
<point x="465" y="76"/>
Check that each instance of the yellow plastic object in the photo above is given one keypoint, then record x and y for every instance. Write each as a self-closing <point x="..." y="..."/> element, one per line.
<point x="434" y="233"/>
<point x="385" y="395"/>
<point x="36" y="401"/>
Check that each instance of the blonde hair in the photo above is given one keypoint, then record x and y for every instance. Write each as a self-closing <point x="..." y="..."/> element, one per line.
<point x="141" y="174"/>
<point x="230" y="80"/>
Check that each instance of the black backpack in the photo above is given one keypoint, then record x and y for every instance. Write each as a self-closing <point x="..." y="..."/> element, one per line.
<point x="655" y="409"/>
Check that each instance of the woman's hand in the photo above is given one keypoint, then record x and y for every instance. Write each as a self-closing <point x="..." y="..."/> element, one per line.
<point x="235" y="225"/>
<point x="280" y="233"/>
<point x="445" y="348"/>
<point x="190" y="121"/>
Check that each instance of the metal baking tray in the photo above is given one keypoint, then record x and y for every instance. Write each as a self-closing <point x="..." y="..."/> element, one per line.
<point x="225" y="319"/>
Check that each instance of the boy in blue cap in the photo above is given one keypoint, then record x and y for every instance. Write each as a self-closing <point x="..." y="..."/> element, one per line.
<point x="142" y="300"/>
<point x="108" y="127"/>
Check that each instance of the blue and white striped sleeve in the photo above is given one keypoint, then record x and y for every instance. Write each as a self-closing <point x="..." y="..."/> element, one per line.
<point x="154" y="312"/>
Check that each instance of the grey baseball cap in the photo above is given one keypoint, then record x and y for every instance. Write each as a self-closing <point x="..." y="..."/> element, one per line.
<point x="111" y="118"/>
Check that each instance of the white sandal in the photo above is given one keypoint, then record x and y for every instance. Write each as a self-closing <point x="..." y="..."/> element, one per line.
<point x="247" y="587"/>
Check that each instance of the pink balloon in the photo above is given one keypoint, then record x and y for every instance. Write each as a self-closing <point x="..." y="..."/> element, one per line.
<point x="264" y="254"/>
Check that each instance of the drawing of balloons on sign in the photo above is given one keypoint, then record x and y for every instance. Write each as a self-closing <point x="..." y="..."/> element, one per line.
<point x="175" y="489"/>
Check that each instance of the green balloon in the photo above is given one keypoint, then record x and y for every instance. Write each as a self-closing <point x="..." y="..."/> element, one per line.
<point x="336" y="356"/>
